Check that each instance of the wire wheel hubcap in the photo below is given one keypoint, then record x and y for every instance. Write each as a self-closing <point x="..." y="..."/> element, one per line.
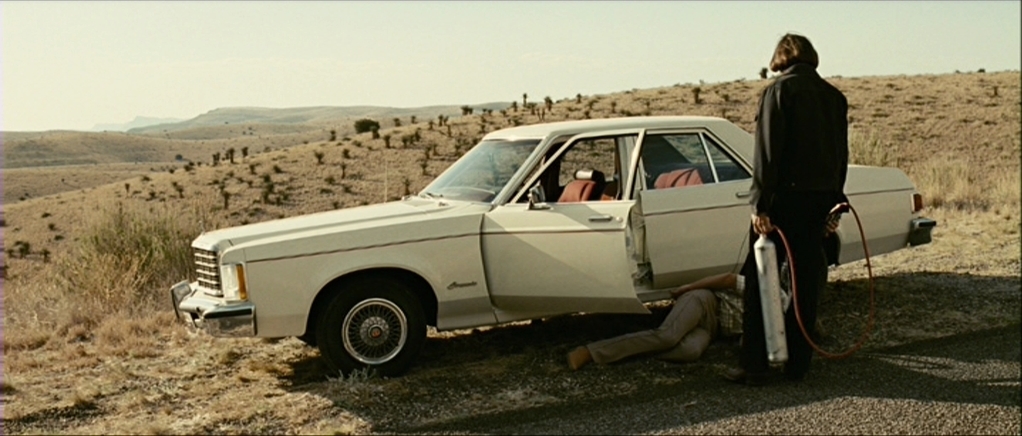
<point x="374" y="331"/>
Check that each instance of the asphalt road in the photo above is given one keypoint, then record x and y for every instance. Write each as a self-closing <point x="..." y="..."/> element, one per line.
<point x="965" y="384"/>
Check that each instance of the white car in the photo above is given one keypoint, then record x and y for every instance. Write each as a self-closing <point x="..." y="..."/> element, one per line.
<point x="535" y="221"/>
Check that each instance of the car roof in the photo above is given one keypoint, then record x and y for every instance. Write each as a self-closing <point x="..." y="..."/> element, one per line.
<point x="574" y="127"/>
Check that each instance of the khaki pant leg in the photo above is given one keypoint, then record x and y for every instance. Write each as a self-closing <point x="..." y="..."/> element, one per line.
<point x="692" y="345"/>
<point x="690" y="348"/>
<point x="688" y="312"/>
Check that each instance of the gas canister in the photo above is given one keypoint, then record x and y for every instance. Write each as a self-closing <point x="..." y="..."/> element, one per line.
<point x="770" y="299"/>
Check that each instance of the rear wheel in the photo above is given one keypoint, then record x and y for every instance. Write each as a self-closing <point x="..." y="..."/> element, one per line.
<point x="372" y="323"/>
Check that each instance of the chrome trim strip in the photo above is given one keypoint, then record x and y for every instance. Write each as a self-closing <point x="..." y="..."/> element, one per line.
<point x="880" y="191"/>
<point x="693" y="209"/>
<point x="364" y="247"/>
<point x="552" y="230"/>
<point x="709" y="158"/>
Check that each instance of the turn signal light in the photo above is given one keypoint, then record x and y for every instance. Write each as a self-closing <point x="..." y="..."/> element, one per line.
<point x="242" y="289"/>
<point x="917" y="202"/>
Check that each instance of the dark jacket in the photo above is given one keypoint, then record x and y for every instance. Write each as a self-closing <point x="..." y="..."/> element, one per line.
<point x="801" y="138"/>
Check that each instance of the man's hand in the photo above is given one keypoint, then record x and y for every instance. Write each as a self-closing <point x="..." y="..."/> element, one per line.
<point x="833" y="221"/>
<point x="834" y="218"/>
<point x="681" y="290"/>
<point x="761" y="224"/>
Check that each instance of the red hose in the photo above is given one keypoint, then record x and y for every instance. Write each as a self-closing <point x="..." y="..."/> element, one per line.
<point x="794" y="296"/>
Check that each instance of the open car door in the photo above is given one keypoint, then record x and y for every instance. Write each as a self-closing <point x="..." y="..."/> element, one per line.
<point x="562" y="256"/>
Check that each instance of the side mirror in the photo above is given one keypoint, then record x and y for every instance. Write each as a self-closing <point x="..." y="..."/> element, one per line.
<point x="537" y="199"/>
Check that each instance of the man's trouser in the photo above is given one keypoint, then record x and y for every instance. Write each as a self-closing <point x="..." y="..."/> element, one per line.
<point x="689" y="328"/>
<point x="802" y="218"/>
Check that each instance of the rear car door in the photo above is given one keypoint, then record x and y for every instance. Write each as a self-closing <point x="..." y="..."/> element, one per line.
<point x="693" y="193"/>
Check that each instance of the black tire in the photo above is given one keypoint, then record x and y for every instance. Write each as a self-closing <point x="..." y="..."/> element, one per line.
<point x="375" y="323"/>
<point x="308" y="339"/>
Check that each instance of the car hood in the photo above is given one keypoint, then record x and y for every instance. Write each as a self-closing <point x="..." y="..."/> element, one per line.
<point x="331" y="221"/>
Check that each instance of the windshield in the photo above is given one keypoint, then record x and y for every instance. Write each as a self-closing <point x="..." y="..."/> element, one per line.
<point x="482" y="172"/>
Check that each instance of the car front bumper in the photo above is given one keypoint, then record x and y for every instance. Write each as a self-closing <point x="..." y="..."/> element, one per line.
<point x="920" y="232"/>
<point x="211" y="314"/>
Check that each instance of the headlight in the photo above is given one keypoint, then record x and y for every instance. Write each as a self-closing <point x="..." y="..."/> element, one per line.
<point x="233" y="277"/>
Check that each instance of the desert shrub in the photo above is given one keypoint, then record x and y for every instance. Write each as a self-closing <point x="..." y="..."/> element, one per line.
<point x="128" y="259"/>
<point x="120" y="267"/>
<point x="366" y="125"/>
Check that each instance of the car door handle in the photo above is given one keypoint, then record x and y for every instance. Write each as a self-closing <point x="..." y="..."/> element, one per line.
<point x="600" y="218"/>
<point x="743" y="194"/>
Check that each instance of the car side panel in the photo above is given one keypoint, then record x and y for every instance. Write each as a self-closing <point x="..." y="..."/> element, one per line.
<point x="694" y="231"/>
<point x="883" y="199"/>
<point x="445" y="254"/>
<point x="562" y="260"/>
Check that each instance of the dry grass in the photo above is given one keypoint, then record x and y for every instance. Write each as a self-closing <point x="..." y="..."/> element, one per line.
<point x="967" y="184"/>
<point x="35" y="182"/>
<point x="82" y="364"/>
<point x="118" y="269"/>
<point x="871" y="149"/>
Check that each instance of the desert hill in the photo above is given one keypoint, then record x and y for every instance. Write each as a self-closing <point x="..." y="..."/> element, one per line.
<point x="956" y="135"/>
<point x="321" y="115"/>
<point x="139" y="121"/>
<point x="199" y="137"/>
<point x="904" y="120"/>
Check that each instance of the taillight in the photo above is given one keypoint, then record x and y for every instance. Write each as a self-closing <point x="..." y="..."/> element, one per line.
<point x="917" y="202"/>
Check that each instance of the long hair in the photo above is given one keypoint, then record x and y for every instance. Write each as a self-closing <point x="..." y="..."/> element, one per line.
<point x="793" y="49"/>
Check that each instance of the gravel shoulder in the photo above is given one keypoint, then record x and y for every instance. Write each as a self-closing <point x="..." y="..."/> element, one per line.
<point x="966" y="384"/>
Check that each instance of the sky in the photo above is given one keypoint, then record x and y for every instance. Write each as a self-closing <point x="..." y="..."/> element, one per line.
<point x="72" y="65"/>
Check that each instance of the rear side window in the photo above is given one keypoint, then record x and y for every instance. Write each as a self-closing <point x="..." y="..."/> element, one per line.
<point x="726" y="168"/>
<point x="686" y="159"/>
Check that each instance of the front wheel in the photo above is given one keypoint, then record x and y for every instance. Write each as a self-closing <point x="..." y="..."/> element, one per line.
<point x="373" y="323"/>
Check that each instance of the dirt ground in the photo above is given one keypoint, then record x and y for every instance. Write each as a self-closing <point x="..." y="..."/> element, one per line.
<point x="157" y="377"/>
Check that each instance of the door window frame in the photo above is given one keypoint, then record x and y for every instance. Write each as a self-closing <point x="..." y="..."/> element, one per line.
<point x="703" y="134"/>
<point x="544" y="165"/>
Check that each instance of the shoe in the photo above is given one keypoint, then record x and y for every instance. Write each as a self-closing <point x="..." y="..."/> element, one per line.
<point x="578" y="357"/>
<point x="740" y="376"/>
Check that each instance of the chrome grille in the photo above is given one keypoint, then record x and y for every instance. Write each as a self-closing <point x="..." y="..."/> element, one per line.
<point x="207" y="271"/>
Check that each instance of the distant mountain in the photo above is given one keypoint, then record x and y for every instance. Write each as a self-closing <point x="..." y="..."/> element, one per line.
<point x="306" y="115"/>
<point x="133" y="124"/>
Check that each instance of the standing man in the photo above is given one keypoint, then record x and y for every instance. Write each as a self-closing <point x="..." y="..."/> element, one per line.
<point x="801" y="160"/>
